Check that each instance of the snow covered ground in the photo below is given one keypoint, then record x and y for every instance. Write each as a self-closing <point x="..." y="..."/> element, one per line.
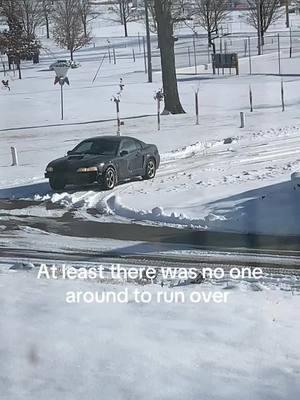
<point x="241" y="186"/>
<point x="246" y="347"/>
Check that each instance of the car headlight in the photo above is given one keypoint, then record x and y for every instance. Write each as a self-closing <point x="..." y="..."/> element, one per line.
<point x="49" y="169"/>
<point x="89" y="169"/>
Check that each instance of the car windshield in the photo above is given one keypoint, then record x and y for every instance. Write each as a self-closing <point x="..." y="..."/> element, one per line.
<point x="99" y="146"/>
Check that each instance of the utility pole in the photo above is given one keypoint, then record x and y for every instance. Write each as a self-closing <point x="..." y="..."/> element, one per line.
<point x="148" y="42"/>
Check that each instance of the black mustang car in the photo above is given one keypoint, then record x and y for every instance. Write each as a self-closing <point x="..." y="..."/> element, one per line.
<point x="106" y="160"/>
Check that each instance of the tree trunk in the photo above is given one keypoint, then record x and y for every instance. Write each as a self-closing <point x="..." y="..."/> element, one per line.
<point x="19" y="68"/>
<point x="71" y="54"/>
<point x="84" y="28"/>
<point x="167" y="53"/>
<point x="124" y="18"/>
<point x="47" y="27"/>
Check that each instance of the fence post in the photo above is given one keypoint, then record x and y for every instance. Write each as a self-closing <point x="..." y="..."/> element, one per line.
<point x="197" y="106"/>
<point x="282" y="96"/>
<point x="250" y="98"/>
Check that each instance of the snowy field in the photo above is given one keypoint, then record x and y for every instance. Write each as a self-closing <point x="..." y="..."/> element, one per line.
<point x="246" y="347"/>
<point x="204" y="182"/>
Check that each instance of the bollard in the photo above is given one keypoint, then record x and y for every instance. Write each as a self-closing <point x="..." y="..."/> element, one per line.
<point x="14" y="156"/>
<point x="242" y="115"/>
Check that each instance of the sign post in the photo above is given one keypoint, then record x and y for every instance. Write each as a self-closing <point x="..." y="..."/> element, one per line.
<point x="61" y="71"/>
<point x="159" y="96"/>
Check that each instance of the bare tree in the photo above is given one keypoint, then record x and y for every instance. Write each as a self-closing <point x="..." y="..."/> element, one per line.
<point x="10" y="10"/>
<point x="47" y="8"/>
<point x="125" y="13"/>
<point x="167" y="14"/>
<point x="68" y="28"/>
<point x="261" y="14"/>
<point x="208" y="14"/>
<point x="87" y="15"/>
<point x="31" y="15"/>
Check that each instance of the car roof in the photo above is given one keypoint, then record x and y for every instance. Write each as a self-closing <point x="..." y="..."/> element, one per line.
<point x="111" y="137"/>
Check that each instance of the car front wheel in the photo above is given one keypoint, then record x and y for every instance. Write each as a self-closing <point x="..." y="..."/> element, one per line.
<point x="109" y="179"/>
<point x="150" y="169"/>
<point x="57" y="184"/>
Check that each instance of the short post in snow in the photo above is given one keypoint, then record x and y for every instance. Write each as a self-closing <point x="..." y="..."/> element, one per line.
<point x="133" y="55"/>
<point x="159" y="96"/>
<point x="117" y="101"/>
<point x="250" y="98"/>
<point x="242" y="116"/>
<point x="197" y="106"/>
<point x="114" y="55"/>
<point x="14" y="156"/>
<point x="61" y="78"/>
<point x="282" y="96"/>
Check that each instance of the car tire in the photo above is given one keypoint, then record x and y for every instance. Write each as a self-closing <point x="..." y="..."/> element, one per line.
<point x="109" y="179"/>
<point x="57" y="184"/>
<point x="150" y="169"/>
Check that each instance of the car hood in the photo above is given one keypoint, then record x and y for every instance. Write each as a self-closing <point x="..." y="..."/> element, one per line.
<point x="73" y="162"/>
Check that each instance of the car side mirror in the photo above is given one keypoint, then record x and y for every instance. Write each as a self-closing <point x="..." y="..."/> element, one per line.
<point x="124" y="153"/>
<point x="69" y="153"/>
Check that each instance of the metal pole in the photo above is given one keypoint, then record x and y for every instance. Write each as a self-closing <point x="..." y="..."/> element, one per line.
<point x="282" y="96"/>
<point x="197" y="107"/>
<point x="189" y="55"/>
<point x="291" y="43"/>
<point x="148" y="42"/>
<point x="62" y="100"/>
<point x="139" y="41"/>
<point x="279" y="60"/>
<point x="249" y="54"/>
<point x="195" y="56"/>
<point x="250" y="98"/>
<point x="118" y="117"/>
<point x="287" y="15"/>
<point x="145" y="57"/>
<point x="114" y="54"/>
<point x="158" y="114"/>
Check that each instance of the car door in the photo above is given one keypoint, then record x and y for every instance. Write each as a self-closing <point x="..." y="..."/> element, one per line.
<point x="128" y="161"/>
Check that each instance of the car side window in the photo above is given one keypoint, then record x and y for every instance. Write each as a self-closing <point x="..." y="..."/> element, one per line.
<point x="128" y="145"/>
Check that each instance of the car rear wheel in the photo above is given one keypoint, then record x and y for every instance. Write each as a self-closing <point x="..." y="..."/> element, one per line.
<point x="109" y="179"/>
<point x="150" y="169"/>
<point x="57" y="184"/>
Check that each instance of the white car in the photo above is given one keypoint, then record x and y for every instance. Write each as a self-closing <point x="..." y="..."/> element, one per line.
<point x="61" y="63"/>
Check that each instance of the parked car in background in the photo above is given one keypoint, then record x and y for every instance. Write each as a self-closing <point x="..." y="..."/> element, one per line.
<point x="60" y="63"/>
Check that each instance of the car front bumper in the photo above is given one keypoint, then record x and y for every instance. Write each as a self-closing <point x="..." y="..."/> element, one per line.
<point x="74" y="178"/>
